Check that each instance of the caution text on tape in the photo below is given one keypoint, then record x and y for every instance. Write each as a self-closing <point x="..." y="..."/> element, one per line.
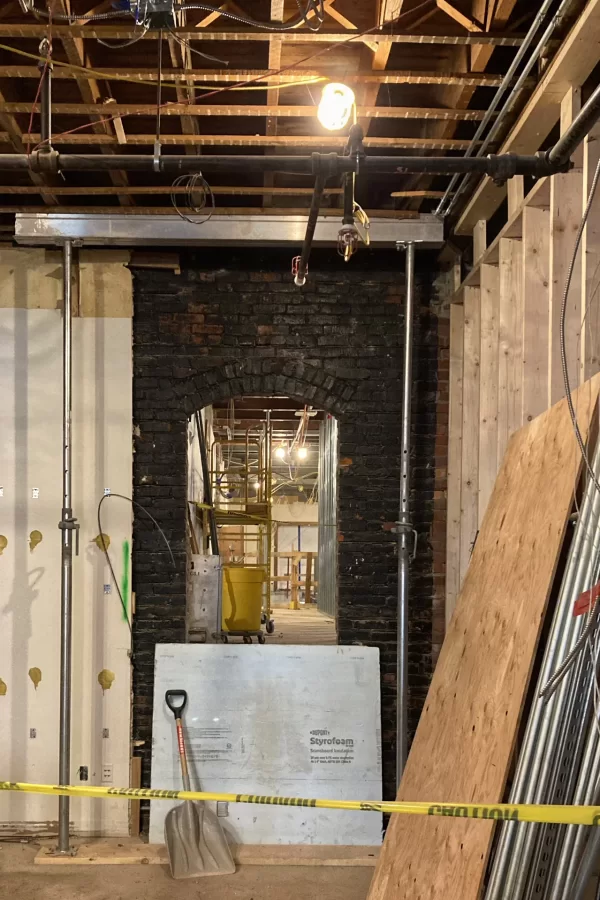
<point x="560" y="815"/>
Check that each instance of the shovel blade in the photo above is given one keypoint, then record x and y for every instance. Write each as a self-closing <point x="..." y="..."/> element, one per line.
<point x="196" y="843"/>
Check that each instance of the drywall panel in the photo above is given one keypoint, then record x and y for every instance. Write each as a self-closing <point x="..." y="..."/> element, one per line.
<point x="286" y="721"/>
<point x="30" y="504"/>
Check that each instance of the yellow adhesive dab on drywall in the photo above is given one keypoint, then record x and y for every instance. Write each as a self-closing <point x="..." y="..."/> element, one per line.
<point x="98" y="541"/>
<point x="35" y="538"/>
<point x="36" y="676"/>
<point x="3" y="543"/>
<point x="105" y="679"/>
<point x="3" y="688"/>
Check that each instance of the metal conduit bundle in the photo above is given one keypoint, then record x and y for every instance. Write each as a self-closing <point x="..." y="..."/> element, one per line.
<point x="558" y="757"/>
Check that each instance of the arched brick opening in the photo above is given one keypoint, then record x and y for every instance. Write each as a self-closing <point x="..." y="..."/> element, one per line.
<point x="233" y="326"/>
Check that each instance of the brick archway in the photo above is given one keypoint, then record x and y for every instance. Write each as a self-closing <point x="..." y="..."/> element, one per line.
<point x="245" y="378"/>
<point x="226" y="328"/>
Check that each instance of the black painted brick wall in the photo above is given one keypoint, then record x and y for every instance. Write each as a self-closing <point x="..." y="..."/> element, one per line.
<point x="234" y="324"/>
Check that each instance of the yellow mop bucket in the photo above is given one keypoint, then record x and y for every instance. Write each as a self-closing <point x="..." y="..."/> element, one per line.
<point x="242" y="597"/>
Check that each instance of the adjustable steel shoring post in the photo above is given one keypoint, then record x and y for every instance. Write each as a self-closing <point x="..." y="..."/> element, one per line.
<point x="67" y="525"/>
<point x="407" y="536"/>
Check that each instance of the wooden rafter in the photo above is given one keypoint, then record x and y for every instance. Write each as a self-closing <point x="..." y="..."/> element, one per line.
<point x="89" y="90"/>
<point x="466" y="21"/>
<point x="18" y="141"/>
<point x="572" y="65"/>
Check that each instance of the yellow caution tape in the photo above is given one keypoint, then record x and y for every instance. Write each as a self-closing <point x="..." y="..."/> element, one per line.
<point x="522" y="812"/>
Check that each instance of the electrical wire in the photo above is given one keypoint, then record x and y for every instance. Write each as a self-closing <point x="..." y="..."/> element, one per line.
<point x="269" y="26"/>
<point x="243" y="84"/>
<point x="123" y="44"/>
<point x="111" y="76"/>
<point x="197" y="187"/>
<point x="139" y="506"/>
<point x="65" y="17"/>
<point x="187" y="46"/>
<point x="315" y="6"/>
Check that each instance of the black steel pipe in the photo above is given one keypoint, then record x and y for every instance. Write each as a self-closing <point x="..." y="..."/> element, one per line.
<point x="499" y="167"/>
<point x="348" y="218"/>
<point x="581" y="125"/>
<point x="313" y="215"/>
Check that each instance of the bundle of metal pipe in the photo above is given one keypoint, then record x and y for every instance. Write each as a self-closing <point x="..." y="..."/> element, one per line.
<point x="558" y="759"/>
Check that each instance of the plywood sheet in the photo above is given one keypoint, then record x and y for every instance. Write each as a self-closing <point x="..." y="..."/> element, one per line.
<point x="464" y="742"/>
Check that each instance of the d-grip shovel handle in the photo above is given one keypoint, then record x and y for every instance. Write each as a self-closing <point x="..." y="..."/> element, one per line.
<point x="177" y="709"/>
<point x="177" y="702"/>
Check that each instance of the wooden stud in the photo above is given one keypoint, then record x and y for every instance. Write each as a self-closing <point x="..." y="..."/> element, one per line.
<point x="479" y="240"/>
<point x="455" y="431"/>
<point x="134" y="805"/>
<point x="516" y="194"/>
<point x="536" y="300"/>
<point x="488" y="385"/>
<point x="566" y="201"/>
<point x="510" y="361"/>
<point x="590" y="264"/>
<point x="470" y="431"/>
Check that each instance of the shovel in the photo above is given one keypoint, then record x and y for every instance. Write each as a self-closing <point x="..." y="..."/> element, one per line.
<point x="195" y="841"/>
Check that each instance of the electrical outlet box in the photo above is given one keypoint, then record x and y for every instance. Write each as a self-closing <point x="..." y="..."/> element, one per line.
<point x="107" y="773"/>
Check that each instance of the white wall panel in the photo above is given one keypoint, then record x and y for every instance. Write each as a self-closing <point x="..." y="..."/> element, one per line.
<point x="30" y="457"/>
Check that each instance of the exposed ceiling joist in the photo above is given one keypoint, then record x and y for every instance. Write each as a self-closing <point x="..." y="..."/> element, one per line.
<point x="226" y="76"/>
<point x="125" y="32"/>
<point x="328" y="141"/>
<point x="178" y="109"/>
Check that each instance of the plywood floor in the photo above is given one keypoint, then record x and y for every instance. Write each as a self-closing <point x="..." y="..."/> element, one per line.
<point x="302" y="626"/>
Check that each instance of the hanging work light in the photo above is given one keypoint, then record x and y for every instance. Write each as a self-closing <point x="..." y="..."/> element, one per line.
<point x="335" y="107"/>
<point x="302" y="452"/>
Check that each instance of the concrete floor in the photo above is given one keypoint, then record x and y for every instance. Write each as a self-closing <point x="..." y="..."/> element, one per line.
<point x="21" y="880"/>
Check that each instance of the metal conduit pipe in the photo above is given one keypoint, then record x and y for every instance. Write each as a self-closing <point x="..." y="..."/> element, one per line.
<point x="506" y="82"/>
<point x="541" y="841"/>
<point x="445" y="207"/>
<point x="406" y="534"/>
<point x="585" y="792"/>
<point x="559" y="639"/>
<point x="563" y="747"/>
<point x="589" y="860"/>
<point x="67" y="525"/>
<point x="564" y="754"/>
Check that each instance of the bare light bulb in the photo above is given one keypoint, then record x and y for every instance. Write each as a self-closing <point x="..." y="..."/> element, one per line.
<point x="335" y="107"/>
<point x="280" y="453"/>
<point x="302" y="452"/>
